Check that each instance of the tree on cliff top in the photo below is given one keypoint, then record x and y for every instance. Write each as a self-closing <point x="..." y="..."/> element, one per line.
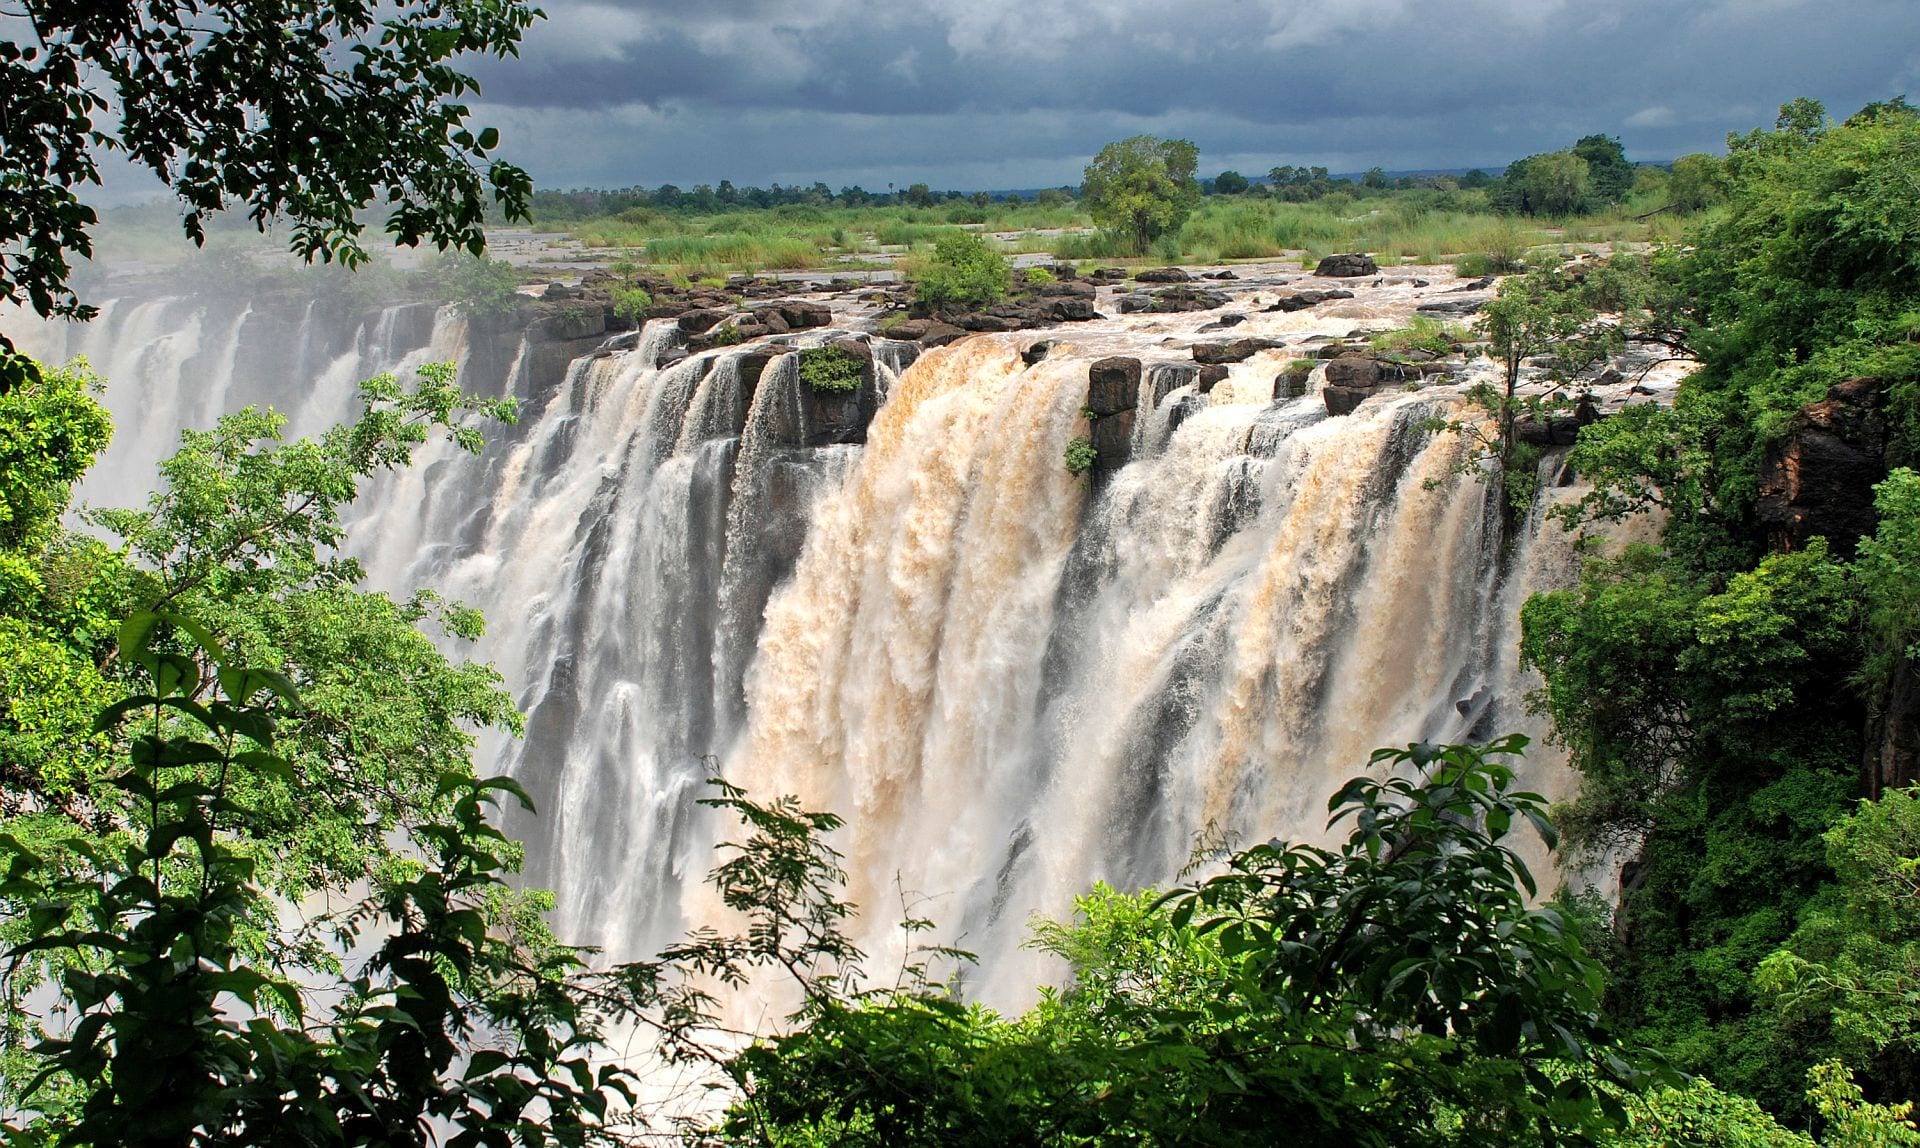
<point x="1142" y="187"/>
<point x="303" y="109"/>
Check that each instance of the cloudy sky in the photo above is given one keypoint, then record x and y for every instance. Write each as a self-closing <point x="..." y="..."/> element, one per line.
<point x="1020" y="93"/>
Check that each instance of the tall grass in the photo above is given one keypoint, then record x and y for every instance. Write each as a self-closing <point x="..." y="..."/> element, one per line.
<point x="1416" y="227"/>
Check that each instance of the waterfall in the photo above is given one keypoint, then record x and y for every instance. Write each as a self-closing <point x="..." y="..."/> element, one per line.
<point x="1011" y="681"/>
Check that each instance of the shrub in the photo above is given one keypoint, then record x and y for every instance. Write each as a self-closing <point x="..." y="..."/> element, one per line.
<point x="1038" y="276"/>
<point x="631" y="303"/>
<point x="831" y="369"/>
<point x="727" y="336"/>
<point x="963" y="270"/>
<point x="1080" y="455"/>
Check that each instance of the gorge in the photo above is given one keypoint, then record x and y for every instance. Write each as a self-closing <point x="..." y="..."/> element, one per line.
<point x="1011" y="680"/>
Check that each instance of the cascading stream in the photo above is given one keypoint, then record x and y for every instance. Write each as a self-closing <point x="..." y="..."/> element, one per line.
<point x="1012" y="682"/>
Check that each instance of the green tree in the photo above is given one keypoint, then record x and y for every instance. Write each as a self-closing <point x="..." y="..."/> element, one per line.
<point x="965" y="271"/>
<point x="1230" y="183"/>
<point x="298" y="109"/>
<point x="1609" y="171"/>
<point x="1142" y="187"/>
<point x="1697" y="182"/>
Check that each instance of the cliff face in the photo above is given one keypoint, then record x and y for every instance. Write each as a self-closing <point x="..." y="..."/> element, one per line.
<point x="1818" y="480"/>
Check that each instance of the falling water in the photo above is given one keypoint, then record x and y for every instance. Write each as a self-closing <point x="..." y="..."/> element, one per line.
<point x="1012" y="682"/>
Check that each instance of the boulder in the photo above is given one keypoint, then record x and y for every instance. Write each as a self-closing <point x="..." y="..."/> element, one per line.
<point x="571" y="323"/>
<point x="1348" y="266"/>
<point x="1333" y="350"/>
<point x="1230" y="319"/>
<point x="1345" y="400"/>
<point x="1238" y="351"/>
<point x="1452" y="307"/>
<point x="1036" y="352"/>
<point x="1210" y="375"/>
<point x="1113" y="440"/>
<point x="700" y="319"/>
<point x="800" y="315"/>
<point x="1223" y="275"/>
<point x="1173" y="300"/>
<point x="1162" y="275"/>
<point x="1110" y="273"/>
<point x="1113" y="385"/>
<point x="559" y="291"/>
<point x="1301" y="300"/>
<point x="1353" y="371"/>
<point x="832" y="418"/>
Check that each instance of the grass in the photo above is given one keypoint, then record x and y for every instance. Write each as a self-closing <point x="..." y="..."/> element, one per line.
<point x="1424" y="227"/>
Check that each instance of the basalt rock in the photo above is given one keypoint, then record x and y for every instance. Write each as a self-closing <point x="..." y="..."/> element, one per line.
<point x="1238" y="351"/>
<point x="1210" y="376"/>
<point x="1172" y="300"/>
<point x="1353" y="371"/>
<point x="1556" y="430"/>
<point x="1162" y="275"/>
<point x="1818" y="478"/>
<point x="700" y="319"/>
<point x="1348" y="266"/>
<point x="1113" y="385"/>
<point x="1036" y="352"/>
<point x="1452" y="307"/>
<point x="1301" y="300"/>
<point x="1113" y="440"/>
<point x="1230" y="319"/>
<point x="1345" y="400"/>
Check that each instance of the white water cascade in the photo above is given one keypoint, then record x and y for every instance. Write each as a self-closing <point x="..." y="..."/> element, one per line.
<point x="1012" y="682"/>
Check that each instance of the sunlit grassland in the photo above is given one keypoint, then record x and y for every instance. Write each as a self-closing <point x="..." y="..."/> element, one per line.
<point x="1401" y="227"/>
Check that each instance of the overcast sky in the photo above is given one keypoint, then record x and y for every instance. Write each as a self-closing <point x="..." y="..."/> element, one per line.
<point x="1020" y="93"/>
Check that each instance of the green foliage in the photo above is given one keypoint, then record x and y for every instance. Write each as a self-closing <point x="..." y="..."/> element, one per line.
<point x="1142" y="187"/>
<point x="965" y="271"/>
<point x="51" y="430"/>
<point x="631" y="303"/>
<point x="1398" y="990"/>
<point x="1080" y="455"/>
<point x="1555" y="183"/>
<point x="250" y="103"/>
<point x="1608" y="171"/>
<point x="1702" y="1116"/>
<point x="831" y="369"/>
<point x="1855" y="957"/>
<point x="476" y="284"/>
<point x="1230" y="183"/>
<point x="187" y="1014"/>
<point x="1699" y="182"/>
<point x="1888" y="569"/>
<point x="1423" y="334"/>
<point x="1851" y="1121"/>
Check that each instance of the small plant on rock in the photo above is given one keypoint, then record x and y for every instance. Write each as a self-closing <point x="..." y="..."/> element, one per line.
<point x="1080" y="455"/>
<point x="831" y="369"/>
<point x="631" y="303"/>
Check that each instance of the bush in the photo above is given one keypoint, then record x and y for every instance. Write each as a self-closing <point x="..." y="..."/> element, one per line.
<point x="964" y="270"/>
<point x="831" y="369"/>
<point x="631" y="303"/>
<point x="1080" y="455"/>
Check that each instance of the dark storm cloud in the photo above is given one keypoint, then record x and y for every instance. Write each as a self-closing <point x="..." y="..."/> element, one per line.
<point x="1021" y="92"/>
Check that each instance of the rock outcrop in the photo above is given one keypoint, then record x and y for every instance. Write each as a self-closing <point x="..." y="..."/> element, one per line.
<point x="1237" y="351"/>
<point x="1818" y="478"/>
<point x="1301" y="300"/>
<point x="1170" y="300"/>
<point x="1349" y="266"/>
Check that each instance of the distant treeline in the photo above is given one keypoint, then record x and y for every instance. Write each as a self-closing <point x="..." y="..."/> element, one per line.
<point x="1592" y="175"/>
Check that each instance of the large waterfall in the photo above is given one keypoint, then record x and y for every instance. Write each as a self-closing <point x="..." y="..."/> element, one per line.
<point x="1011" y="681"/>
